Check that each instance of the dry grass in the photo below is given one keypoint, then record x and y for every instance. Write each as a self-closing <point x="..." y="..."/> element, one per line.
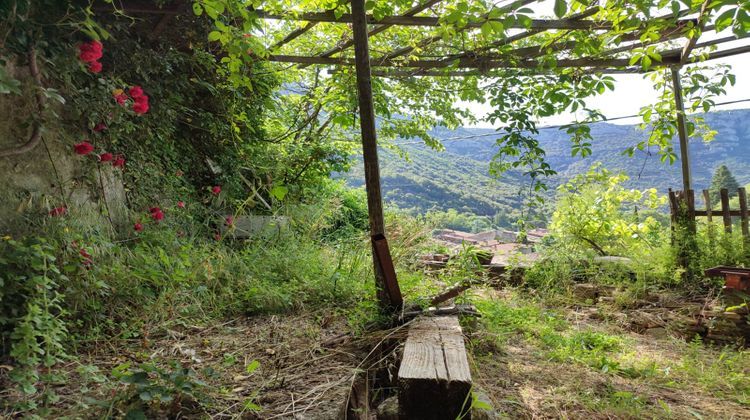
<point x="523" y="380"/>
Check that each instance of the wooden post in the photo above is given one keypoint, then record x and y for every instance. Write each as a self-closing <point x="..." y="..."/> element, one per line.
<point x="690" y="199"/>
<point x="369" y="140"/>
<point x="743" y="211"/>
<point x="709" y="217"/>
<point x="681" y="130"/>
<point x="725" y="210"/>
<point x="709" y="210"/>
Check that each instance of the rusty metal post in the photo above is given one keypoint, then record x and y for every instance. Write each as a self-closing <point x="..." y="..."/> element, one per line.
<point x="369" y="143"/>
<point x="682" y="130"/>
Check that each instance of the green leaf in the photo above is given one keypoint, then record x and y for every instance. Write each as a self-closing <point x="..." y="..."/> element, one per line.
<point x="197" y="9"/>
<point x="279" y="192"/>
<point x="561" y="7"/>
<point x="252" y="366"/>
<point x="214" y="35"/>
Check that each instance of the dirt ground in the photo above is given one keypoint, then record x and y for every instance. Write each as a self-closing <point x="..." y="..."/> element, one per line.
<point x="308" y="363"/>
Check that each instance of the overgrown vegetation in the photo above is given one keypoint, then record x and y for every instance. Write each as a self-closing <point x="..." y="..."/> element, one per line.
<point x="140" y="265"/>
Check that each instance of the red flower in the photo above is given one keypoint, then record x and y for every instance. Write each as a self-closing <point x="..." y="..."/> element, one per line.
<point x="120" y="96"/>
<point x="119" y="162"/>
<point x="156" y="214"/>
<point x="83" y="148"/>
<point x="95" y="67"/>
<point x="229" y="220"/>
<point x="105" y="157"/>
<point x="100" y="127"/>
<point x="181" y="204"/>
<point x="58" y="211"/>
<point x="138" y="227"/>
<point x="216" y="190"/>
<point x="83" y="253"/>
<point x="140" y="108"/>
<point x="217" y="236"/>
<point x="136" y="92"/>
<point x="91" y="51"/>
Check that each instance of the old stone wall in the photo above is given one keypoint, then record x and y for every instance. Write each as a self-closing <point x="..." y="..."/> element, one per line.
<point x="50" y="175"/>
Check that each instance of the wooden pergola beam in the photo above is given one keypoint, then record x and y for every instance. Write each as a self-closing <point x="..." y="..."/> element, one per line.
<point x="380" y="28"/>
<point x="293" y="35"/>
<point x="465" y="62"/>
<point x="685" y="55"/>
<point x="431" y="21"/>
<point x="431" y="40"/>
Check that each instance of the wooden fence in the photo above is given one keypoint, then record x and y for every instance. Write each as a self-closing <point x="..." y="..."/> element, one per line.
<point x="682" y="206"/>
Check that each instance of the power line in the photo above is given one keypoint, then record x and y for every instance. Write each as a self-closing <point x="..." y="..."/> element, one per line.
<point x="550" y="127"/>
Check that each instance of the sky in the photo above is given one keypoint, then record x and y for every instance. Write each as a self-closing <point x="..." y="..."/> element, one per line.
<point x="632" y="91"/>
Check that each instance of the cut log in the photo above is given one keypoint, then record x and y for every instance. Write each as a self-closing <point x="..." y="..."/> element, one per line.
<point x="434" y="377"/>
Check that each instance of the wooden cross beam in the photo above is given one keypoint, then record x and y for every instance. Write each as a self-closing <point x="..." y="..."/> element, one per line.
<point x="380" y="28"/>
<point x="542" y="24"/>
<point x="293" y="35"/>
<point x="466" y="62"/>
<point x="431" y="40"/>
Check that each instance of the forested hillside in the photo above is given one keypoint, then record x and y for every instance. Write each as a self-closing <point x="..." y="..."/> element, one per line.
<point x="458" y="177"/>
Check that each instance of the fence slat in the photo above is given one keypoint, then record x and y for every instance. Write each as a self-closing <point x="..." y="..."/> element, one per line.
<point x="725" y="210"/>
<point x="690" y="200"/>
<point x="743" y="210"/>
<point x="707" y="200"/>
<point x="673" y="206"/>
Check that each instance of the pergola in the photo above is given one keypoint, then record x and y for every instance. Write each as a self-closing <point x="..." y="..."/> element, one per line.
<point x="683" y="27"/>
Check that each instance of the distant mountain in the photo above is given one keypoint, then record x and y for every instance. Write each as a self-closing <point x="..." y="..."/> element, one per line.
<point x="458" y="178"/>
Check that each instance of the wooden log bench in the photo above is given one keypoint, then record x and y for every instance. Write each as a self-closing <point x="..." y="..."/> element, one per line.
<point x="434" y="377"/>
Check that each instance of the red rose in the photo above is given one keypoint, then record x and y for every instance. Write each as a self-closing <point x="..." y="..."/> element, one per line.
<point x="136" y="92"/>
<point x="216" y="190"/>
<point x="105" y="157"/>
<point x="229" y="220"/>
<point x="121" y="98"/>
<point x="138" y="227"/>
<point x="58" y="211"/>
<point x="156" y="213"/>
<point x="91" y="51"/>
<point x="181" y="204"/>
<point x="83" y="148"/>
<point x="100" y="127"/>
<point x="140" y="108"/>
<point x="119" y="162"/>
<point x="95" y="67"/>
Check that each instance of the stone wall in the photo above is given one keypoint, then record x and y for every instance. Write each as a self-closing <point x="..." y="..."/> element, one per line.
<point x="51" y="174"/>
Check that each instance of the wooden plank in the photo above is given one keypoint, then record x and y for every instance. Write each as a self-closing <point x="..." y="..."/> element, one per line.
<point x="707" y="200"/>
<point x="702" y="213"/>
<point x="434" y="376"/>
<point x="369" y="143"/>
<point x="673" y="207"/>
<point x="380" y="244"/>
<point x="725" y="210"/>
<point x="691" y="205"/>
<point x="681" y="130"/>
<point x="743" y="211"/>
